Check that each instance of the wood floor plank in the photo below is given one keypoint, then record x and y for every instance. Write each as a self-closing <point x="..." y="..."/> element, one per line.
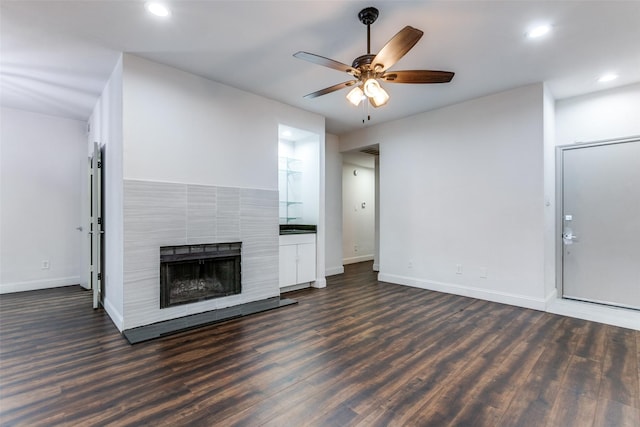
<point x="358" y="352"/>
<point x="572" y="409"/>
<point x="615" y="414"/>
<point x="620" y="368"/>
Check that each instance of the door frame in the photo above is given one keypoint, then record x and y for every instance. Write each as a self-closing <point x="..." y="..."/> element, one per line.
<point x="96" y="224"/>
<point x="559" y="222"/>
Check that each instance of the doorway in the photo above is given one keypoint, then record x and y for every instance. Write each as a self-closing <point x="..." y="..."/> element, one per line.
<point x="600" y="218"/>
<point x="360" y="209"/>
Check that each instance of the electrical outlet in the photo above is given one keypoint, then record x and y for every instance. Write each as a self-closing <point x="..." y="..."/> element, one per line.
<point x="483" y="272"/>
<point x="410" y="264"/>
<point x="45" y="264"/>
<point x="355" y="248"/>
<point x="458" y="268"/>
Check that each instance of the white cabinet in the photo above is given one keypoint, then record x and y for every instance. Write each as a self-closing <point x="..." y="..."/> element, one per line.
<point x="297" y="259"/>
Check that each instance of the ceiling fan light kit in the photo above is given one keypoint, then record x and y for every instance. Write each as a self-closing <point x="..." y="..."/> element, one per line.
<point x="355" y="96"/>
<point x="368" y="69"/>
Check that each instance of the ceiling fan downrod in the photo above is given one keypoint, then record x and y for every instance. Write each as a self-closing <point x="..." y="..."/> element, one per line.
<point x="368" y="16"/>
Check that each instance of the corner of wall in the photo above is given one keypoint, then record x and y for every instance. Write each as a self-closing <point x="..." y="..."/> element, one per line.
<point x="550" y="204"/>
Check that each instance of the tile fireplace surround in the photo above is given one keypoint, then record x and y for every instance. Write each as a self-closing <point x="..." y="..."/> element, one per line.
<point x="166" y="214"/>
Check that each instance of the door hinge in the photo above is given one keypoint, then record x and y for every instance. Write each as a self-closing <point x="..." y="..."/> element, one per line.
<point x="99" y="276"/>
<point x="99" y="164"/>
<point x="100" y="220"/>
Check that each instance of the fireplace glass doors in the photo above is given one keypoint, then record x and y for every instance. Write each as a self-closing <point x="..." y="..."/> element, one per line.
<point x="192" y="273"/>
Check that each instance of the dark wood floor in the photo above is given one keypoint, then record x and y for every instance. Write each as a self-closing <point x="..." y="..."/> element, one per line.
<point x="359" y="352"/>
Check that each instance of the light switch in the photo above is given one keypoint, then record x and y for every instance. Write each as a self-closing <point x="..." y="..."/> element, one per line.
<point x="568" y="217"/>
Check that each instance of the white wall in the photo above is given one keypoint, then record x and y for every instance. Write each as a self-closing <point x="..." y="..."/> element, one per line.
<point x="358" y="223"/>
<point x="598" y="116"/>
<point x="106" y="129"/>
<point x="333" y="186"/>
<point x="307" y="150"/>
<point x="42" y="168"/>
<point x="464" y="185"/>
<point x="201" y="132"/>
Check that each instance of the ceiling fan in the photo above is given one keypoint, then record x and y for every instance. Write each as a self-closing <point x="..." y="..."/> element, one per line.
<point x="368" y="69"/>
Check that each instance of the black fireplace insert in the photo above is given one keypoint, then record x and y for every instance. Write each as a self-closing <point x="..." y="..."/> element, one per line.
<point x="191" y="273"/>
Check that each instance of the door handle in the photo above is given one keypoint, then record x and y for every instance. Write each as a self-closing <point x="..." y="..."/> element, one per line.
<point x="569" y="236"/>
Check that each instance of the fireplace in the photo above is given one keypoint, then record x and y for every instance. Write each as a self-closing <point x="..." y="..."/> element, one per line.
<point x="191" y="273"/>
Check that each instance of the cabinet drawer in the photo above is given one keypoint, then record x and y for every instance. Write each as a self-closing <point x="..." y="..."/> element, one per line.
<point x="296" y="239"/>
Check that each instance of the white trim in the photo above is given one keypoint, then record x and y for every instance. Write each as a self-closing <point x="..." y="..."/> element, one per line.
<point x="320" y="282"/>
<point x="376" y="266"/>
<point x="297" y="287"/>
<point x="114" y="314"/>
<point x="500" y="297"/>
<point x="332" y="271"/>
<point x="356" y="259"/>
<point x="622" y="317"/>
<point x="33" y="285"/>
<point x="551" y="298"/>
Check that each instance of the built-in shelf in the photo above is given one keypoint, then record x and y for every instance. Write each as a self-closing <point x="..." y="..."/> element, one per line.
<point x="289" y="175"/>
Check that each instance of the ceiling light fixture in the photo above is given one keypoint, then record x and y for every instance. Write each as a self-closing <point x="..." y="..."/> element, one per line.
<point x="607" y="77"/>
<point x="356" y="95"/>
<point x="157" y="9"/>
<point x="365" y="71"/>
<point x="370" y="89"/>
<point x="538" y="31"/>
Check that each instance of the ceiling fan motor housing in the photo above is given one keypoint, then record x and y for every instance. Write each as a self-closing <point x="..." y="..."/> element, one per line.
<point x="363" y="61"/>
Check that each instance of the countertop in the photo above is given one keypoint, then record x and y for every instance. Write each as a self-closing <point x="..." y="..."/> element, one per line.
<point x="297" y="229"/>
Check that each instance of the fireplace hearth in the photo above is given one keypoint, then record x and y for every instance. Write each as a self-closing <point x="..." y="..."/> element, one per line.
<point x="192" y="273"/>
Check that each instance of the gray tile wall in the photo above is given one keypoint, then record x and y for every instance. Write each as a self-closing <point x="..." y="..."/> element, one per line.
<point x="165" y="214"/>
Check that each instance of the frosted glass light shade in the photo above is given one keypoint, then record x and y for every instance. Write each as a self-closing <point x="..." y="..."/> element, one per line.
<point x="380" y="98"/>
<point x="371" y="88"/>
<point x="355" y="96"/>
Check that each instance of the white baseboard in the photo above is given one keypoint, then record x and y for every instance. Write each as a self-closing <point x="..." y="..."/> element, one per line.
<point x="294" y="287"/>
<point x="332" y="271"/>
<point x="551" y="297"/>
<point x="114" y="314"/>
<point x="356" y="259"/>
<point x="319" y="283"/>
<point x="376" y="266"/>
<point x="34" y="285"/>
<point x="495" y="296"/>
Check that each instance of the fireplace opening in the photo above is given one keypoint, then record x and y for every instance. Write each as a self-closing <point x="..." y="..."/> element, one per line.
<point x="191" y="273"/>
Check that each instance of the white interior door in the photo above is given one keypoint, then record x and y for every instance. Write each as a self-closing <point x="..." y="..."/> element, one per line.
<point x="601" y="223"/>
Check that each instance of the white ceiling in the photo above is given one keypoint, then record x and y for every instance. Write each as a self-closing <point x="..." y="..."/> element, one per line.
<point x="56" y="56"/>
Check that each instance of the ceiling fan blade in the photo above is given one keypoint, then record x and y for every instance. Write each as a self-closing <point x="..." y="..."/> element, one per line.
<point x="331" y="89"/>
<point x="418" y="76"/>
<point x="396" y="48"/>
<point x="326" y="62"/>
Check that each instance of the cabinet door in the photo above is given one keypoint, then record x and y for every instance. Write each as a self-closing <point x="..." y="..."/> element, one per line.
<point x="288" y="265"/>
<point x="306" y="262"/>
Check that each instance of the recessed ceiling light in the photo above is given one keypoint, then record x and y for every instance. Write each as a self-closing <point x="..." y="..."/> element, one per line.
<point x="538" y="31"/>
<point x="607" y="77"/>
<point x="157" y="9"/>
